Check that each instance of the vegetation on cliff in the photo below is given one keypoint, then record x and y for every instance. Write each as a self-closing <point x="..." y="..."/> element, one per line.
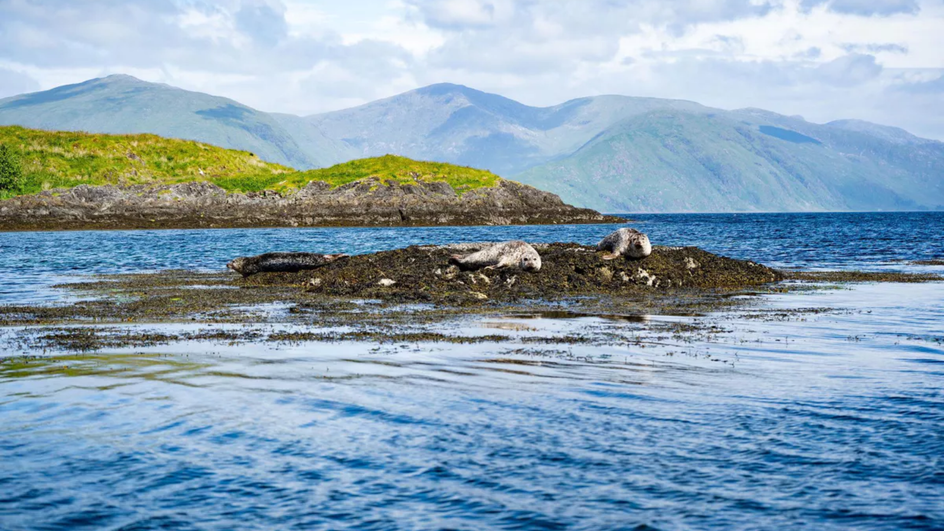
<point x="67" y="159"/>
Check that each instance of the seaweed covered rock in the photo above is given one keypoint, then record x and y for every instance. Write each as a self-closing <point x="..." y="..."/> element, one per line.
<point x="424" y="274"/>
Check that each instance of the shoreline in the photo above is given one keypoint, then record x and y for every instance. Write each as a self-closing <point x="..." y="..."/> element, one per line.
<point x="364" y="203"/>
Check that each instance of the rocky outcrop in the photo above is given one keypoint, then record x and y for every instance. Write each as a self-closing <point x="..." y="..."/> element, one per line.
<point x="368" y="202"/>
<point x="568" y="270"/>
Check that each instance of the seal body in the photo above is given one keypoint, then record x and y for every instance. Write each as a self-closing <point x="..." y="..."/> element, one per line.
<point x="507" y="254"/>
<point x="625" y="242"/>
<point x="280" y="262"/>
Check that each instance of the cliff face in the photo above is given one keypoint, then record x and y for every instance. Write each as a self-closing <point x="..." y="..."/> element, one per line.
<point x="368" y="202"/>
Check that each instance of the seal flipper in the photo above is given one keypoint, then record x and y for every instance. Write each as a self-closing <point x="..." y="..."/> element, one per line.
<point x="611" y="256"/>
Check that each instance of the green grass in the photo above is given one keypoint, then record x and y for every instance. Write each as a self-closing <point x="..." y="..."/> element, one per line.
<point x="397" y="169"/>
<point x="68" y="159"/>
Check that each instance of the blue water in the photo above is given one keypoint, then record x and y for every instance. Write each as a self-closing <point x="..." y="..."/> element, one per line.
<point x="818" y="421"/>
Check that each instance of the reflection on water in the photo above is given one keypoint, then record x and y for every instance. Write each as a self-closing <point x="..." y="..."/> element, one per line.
<point x="822" y="420"/>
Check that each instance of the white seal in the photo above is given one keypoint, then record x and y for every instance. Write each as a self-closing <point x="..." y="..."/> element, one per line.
<point x="507" y="254"/>
<point x="626" y="242"/>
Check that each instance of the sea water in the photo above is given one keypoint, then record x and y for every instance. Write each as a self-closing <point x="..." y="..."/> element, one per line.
<point x="831" y="420"/>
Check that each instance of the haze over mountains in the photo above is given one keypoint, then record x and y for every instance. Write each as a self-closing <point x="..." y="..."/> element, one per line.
<point x="611" y="153"/>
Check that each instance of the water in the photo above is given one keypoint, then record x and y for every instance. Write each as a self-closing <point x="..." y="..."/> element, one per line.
<point x="32" y="262"/>
<point x="818" y="420"/>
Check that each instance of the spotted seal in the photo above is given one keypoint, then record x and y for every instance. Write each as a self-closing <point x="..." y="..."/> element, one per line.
<point x="507" y="254"/>
<point x="280" y="262"/>
<point x="627" y="242"/>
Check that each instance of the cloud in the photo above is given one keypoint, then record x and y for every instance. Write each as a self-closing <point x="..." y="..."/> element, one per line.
<point x="13" y="83"/>
<point x="300" y="56"/>
<point x="248" y="37"/>
<point x="866" y="8"/>
<point x="532" y="37"/>
<point x="874" y="48"/>
<point x="933" y="86"/>
<point x="454" y="14"/>
<point x="262" y="22"/>
<point x="849" y="70"/>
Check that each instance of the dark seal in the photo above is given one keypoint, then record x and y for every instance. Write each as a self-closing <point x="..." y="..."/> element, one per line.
<point x="281" y="262"/>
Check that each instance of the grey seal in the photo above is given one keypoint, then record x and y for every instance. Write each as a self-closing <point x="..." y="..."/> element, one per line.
<point x="506" y="254"/>
<point x="627" y="242"/>
<point x="280" y="262"/>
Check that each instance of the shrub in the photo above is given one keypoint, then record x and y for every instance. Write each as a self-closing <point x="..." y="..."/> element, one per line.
<point x="11" y="173"/>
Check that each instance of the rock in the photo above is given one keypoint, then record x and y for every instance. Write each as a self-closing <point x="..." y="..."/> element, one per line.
<point x="643" y="276"/>
<point x="451" y="272"/>
<point x="386" y="282"/>
<point x="368" y="202"/>
<point x="478" y="295"/>
<point x="690" y="263"/>
<point x="569" y="270"/>
<point x="606" y="274"/>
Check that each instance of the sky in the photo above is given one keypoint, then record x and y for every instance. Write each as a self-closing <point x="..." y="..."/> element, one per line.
<point x="876" y="60"/>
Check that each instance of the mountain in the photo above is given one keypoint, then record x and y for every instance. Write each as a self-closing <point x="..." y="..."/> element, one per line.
<point x="744" y="160"/>
<point x="457" y="124"/>
<point x="124" y="105"/>
<point x="615" y="153"/>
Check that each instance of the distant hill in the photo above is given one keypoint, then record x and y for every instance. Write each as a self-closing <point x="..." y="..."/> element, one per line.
<point x="457" y="124"/>
<point x="124" y="105"/>
<point x="615" y="153"/>
<point x="744" y="161"/>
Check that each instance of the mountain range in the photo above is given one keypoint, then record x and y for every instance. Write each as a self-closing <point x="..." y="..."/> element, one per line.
<point x="610" y="153"/>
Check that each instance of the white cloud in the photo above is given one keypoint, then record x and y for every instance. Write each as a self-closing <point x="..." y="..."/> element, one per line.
<point x="825" y="59"/>
<point x="13" y="82"/>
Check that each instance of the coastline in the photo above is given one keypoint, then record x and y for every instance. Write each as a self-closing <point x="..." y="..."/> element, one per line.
<point x="365" y="203"/>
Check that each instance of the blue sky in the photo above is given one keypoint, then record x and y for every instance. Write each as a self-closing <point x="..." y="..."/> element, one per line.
<point x="881" y="61"/>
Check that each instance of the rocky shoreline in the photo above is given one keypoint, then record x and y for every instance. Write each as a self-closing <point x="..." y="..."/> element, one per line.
<point x="368" y="202"/>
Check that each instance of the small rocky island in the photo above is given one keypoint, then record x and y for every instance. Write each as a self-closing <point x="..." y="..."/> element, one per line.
<point x="83" y="181"/>
<point x="424" y="273"/>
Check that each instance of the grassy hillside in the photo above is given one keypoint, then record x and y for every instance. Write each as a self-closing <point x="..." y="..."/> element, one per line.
<point x="125" y="105"/>
<point x="386" y="168"/>
<point x="67" y="159"/>
<point x="401" y="170"/>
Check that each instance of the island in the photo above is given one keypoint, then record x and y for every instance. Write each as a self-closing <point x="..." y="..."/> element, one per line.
<point x="80" y="181"/>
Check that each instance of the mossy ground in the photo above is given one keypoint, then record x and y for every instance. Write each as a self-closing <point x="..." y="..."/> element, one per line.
<point x="53" y="159"/>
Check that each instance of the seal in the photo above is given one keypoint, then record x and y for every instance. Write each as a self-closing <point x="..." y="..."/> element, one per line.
<point x="627" y="242"/>
<point x="280" y="262"/>
<point x="506" y="254"/>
